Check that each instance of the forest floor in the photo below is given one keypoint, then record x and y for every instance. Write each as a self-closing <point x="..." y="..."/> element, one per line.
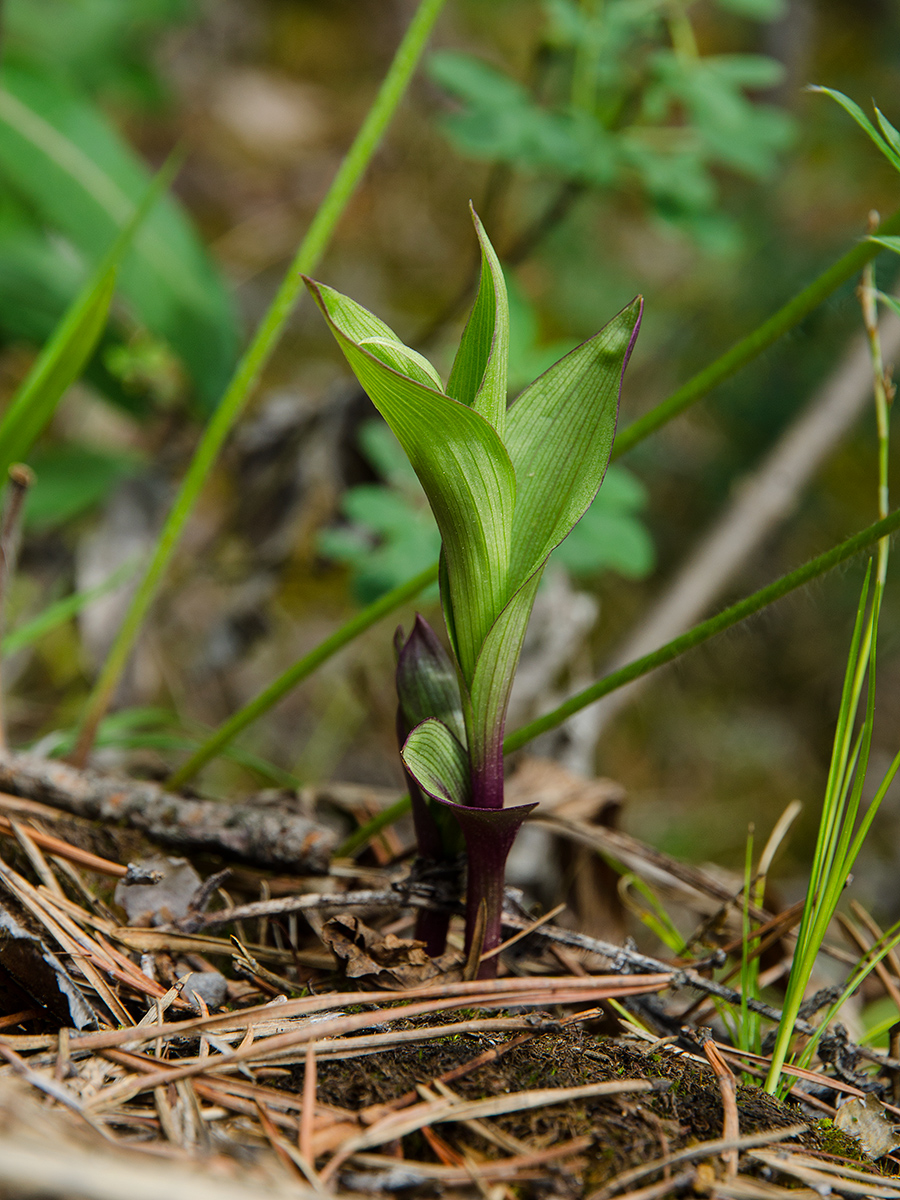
<point x="166" y="1028"/>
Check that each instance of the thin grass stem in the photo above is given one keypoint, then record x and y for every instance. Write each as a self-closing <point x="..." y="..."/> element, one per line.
<point x="749" y="347"/>
<point x="256" y="356"/>
<point x="837" y="846"/>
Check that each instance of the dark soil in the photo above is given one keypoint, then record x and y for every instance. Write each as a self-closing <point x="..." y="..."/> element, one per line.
<point x="626" y="1131"/>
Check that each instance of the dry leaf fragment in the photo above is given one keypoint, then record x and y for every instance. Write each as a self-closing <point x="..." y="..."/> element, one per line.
<point x="385" y="960"/>
<point x="866" y="1119"/>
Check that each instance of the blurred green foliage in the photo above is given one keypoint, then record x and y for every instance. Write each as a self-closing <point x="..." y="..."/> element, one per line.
<point x="69" y="181"/>
<point x="624" y="99"/>
<point x="99" y="47"/>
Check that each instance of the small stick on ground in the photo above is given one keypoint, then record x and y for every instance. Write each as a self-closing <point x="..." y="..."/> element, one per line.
<point x="731" y="1128"/>
<point x="308" y="1112"/>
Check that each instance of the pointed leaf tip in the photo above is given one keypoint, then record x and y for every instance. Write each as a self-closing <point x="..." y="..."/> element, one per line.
<point x="479" y="372"/>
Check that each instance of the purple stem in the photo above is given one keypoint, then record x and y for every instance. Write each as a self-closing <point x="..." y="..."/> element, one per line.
<point x="489" y="835"/>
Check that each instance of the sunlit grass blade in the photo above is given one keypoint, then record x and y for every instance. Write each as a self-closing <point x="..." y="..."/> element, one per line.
<point x="858" y="976"/>
<point x="257" y="355"/>
<point x="65" y="355"/>
<point x="839" y="841"/>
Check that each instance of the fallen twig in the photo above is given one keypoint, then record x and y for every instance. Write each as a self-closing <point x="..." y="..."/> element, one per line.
<point x="268" y="835"/>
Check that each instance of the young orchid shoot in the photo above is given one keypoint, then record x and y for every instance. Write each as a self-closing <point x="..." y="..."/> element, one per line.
<point x="506" y="486"/>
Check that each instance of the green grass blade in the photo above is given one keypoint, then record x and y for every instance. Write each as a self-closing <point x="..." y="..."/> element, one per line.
<point x="65" y="355"/>
<point x="257" y="355"/>
<point x="851" y="107"/>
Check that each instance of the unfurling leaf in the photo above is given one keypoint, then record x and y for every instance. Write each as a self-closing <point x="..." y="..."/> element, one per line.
<point x="438" y="762"/>
<point x="426" y="680"/>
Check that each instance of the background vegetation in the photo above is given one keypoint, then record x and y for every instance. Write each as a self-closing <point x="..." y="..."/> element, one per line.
<point x="610" y="149"/>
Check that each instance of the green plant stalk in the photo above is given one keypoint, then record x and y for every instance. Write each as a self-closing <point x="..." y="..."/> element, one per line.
<point x="299" y="671"/>
<point x="257" y="355"/>
<point x="665" y="654"/>
<point x="705" y="630"/>
<point x="748" y="1024"/>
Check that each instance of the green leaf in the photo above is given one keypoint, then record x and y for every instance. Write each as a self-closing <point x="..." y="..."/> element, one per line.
<point x="559" y="436"/>
<point x="438" y="762"/>
<point x="494" y="674"/>
<point x="891" y="134"/>
<point x="408" y="362"/>
<point x="58" y="365"/>
<point x="63" y="358"/>
<point x="850" y="106"/>
<point x="478" y="377"/>
<point x="461" y="463"/>
<point x="61" y="154"/>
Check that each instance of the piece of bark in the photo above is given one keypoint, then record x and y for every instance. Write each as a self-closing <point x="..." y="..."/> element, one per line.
<point x="267" y="835"/>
